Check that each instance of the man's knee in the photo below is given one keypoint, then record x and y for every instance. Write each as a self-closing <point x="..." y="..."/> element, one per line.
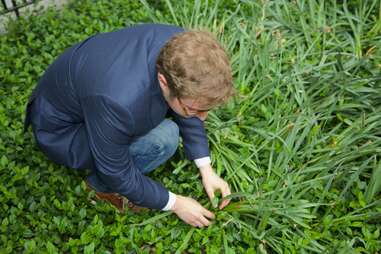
<point x="168" y="137"/>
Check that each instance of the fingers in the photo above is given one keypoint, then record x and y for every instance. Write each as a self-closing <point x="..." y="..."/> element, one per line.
<point x="213" y="183"/>
<point x="192" y="212"/>
<point x="208" y="213"/>
<point x="224" y="203"/>
<point x="225" y="191"/>
<point x="200" y="222"/>
<point x="210" y="193"/>
<point x="211" y="196"/>
<point x="196" y="224"/>
<point x="202" y="219"/>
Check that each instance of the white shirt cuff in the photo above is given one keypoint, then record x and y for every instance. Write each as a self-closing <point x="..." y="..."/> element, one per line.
<point x="202" y="161"/>
<point x="170" y="203"/>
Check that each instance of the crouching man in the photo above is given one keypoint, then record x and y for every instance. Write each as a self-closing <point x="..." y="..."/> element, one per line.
<point x="103" y="105"/>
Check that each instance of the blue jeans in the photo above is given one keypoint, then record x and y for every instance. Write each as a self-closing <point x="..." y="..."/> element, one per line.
<point x="148" y="152"/>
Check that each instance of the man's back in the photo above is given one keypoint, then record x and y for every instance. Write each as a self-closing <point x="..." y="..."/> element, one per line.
<point x="119" y="65"/>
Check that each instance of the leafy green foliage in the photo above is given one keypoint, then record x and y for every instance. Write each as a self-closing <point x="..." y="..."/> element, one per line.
<point x="300" y="144"/>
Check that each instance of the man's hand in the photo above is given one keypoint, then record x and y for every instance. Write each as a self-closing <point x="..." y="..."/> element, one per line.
<point x="213" y="182"/>
<point x="191" y="212"/>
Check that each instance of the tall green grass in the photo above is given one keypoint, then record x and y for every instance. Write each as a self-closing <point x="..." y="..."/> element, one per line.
<point x="301" y="143"/>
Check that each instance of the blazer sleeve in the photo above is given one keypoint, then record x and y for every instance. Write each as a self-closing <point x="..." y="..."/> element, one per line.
<point x="109" y="133"/>
<point x="194" y="136"/>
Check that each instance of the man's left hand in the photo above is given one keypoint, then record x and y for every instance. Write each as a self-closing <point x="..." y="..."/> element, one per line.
<point x="212" y="182"/>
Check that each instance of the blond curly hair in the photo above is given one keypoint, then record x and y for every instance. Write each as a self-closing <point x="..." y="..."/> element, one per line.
<point x="195" y="65"/>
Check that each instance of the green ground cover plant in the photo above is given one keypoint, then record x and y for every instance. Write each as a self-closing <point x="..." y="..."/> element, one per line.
<point x="300" y="144"/>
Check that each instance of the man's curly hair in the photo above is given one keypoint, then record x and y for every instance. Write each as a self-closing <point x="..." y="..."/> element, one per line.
<point x="195" y="65"/>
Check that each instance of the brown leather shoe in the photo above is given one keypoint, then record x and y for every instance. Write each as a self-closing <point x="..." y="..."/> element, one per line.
<point x="135" y="208"/>
<point x="117" y="200"/>
<point x="114" y="198"/>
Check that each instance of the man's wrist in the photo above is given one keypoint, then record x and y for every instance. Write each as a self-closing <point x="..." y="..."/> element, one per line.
<point x="171" y="202"/>
<point x="204" y="165"/>
<point x="201" y="162"/>
<point x="206" y="171"/>
<point x="176" y="204"/>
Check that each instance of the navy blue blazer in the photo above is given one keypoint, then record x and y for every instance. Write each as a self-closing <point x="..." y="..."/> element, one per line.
<point x="108" y="85"/>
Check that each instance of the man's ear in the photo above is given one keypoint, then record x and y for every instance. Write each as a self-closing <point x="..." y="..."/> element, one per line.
<point x="162" y="79"/>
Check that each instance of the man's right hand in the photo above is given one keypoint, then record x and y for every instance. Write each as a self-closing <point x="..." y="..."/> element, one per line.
<point x="191" y="212"/>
